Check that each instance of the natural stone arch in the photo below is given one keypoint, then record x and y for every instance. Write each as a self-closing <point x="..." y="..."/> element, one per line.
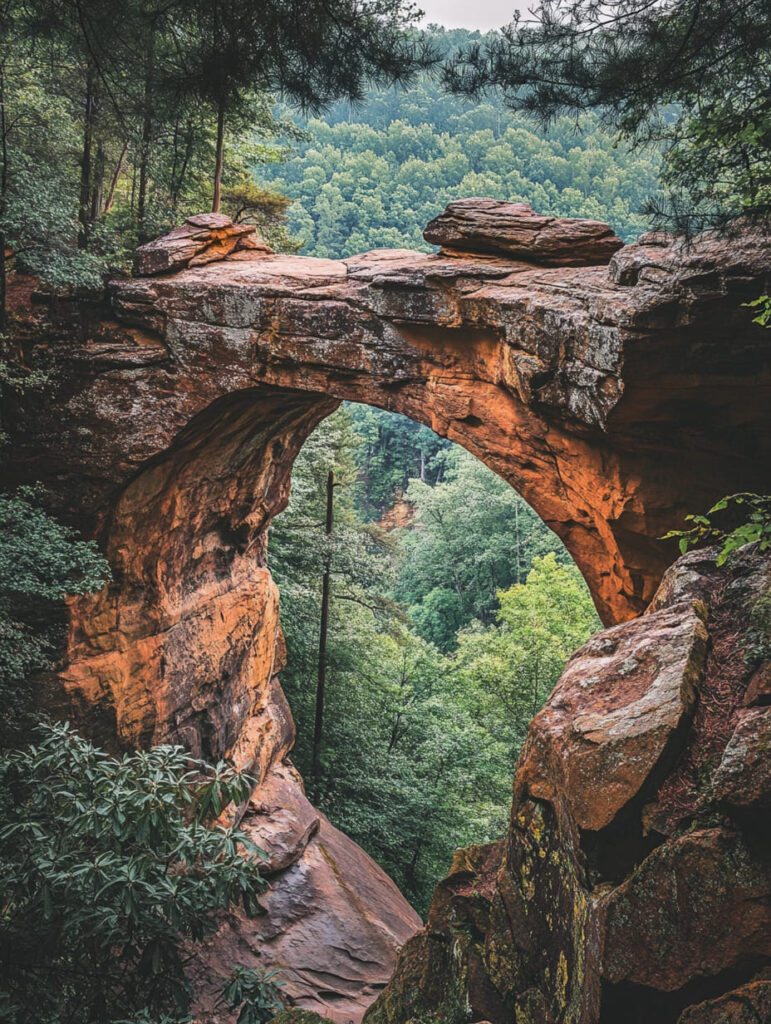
<point x="614" y="399"/>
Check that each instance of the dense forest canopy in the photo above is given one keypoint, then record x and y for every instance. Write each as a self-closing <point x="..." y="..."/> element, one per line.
<point x="372" y="175"/>
<point x="688" y="76"/>
<point x="446" y="633"/>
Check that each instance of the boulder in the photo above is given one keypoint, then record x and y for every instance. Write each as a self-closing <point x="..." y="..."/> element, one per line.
<point x="587" y="919"/>
<point x="203" y="238"/>
<point x="743" y="779"/>
<point x="614" y="714"/>
<point x="748" y="1004"/>
<point x="515" y="230"/>
<point x="697" y="906"/>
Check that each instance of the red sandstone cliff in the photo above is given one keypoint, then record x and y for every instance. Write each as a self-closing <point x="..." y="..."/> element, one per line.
<point x="615" y="398"/>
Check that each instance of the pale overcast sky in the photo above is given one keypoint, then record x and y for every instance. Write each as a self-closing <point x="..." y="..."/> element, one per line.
<point x="481" y="14"/>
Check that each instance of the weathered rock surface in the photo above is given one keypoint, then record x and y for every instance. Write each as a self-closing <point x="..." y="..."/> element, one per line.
<point x="204" y="238"/>
<point x="333" y="922"/>
<point x="634" y="885"/>
<point x="615" y="714"/>
<point x="698" y="905"/>
<point x="514" y="230"/>
<point x="615" y="399"/>
<point x="614" y="409"/>
<point x="759" y="690"/>
<point x="743" y="777"/>
<point x="748" y="1004"/>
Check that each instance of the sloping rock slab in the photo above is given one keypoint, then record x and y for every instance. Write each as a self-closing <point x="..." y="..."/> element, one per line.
<point x="613" y="714"/>
<point x="513" y="229"/>
<point x="332" y="926"/>
<point x="280" y="819"/>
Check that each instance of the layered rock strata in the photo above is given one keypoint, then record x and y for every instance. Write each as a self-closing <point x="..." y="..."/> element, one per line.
<point x="635" y="880"/>
<point x="203" y="238"/>
<point x="514" y="230"/>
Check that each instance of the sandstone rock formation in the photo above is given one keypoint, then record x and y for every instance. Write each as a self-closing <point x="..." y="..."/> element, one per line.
<point x="633" y="884"/>
<point x="204" y="238"/>
<point x="514" y="230"/>
<point x="616" y="399"/>
<point x="332" y="922"/>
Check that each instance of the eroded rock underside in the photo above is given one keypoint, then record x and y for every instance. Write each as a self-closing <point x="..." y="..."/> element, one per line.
<point x="616" y="399"/>
<point x="635" y="881"/>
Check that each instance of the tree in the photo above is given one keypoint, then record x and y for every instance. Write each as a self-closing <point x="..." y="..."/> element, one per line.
<point x="310" y="52"/>
<point x="318" y="568"/>
<point x="512" y="666"/>
<point x="472" y="537"/>
<point x="40" y="562"/>
<point x="373" y="175"/>
<point x="689" y="75"/>
<point x="108" y="868"/>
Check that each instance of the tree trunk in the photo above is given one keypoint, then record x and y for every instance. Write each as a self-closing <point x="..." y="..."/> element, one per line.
<point x="144" y="149"/>
<point x="215" y="206"/>
<point x="100" y="163"/>
<point x="318" y="728"/>
<point x="519" y="549"/>
<point x="179" y="180"/>
<point x="89" y="116"/>
<point x="116" y="178"/>
<point x="3" y="201"/>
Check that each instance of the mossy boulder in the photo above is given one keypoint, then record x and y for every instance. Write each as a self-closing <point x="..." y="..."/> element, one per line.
<point x="294" y="1015"/>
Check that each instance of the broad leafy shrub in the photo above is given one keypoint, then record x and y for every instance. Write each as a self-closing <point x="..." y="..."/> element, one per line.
<point x="108" y="870"/>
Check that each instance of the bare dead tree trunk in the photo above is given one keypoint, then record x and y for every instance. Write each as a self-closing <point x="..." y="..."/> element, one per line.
<point x="98" y="183"/>
<point x="144" y="148"/>
<point x="318" y="728"/>
<point x="519" y="547"/>
<point x="116" y="178"/>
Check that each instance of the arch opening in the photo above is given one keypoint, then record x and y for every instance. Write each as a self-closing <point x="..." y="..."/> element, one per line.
<point x="427" y="613"/>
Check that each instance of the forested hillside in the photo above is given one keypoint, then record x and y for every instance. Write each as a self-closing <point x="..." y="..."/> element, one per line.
<point x="373" y="176"/>
<point x="446" y="634"/>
